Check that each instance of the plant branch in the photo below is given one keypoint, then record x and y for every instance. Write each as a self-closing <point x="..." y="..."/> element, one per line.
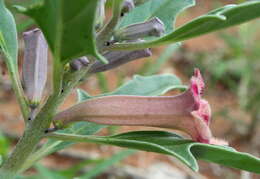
<point x="135" y="45"/>
<point x="31" y="137"/>
<point x="70" y="80"/>
<point x="36" y="129"/>
<point x="18" y="90"/>
<point x="105" y="34"/>
<point x="57" y="76"/>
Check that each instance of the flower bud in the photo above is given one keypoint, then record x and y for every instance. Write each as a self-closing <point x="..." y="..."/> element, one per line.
<point x="128" y="5"/>
<point x="117" y="58"/>
<point x="100" y="14"/>
<point x="77" y="64"/>
<point x="34" y="65"/>
<point x="152" y="27"/>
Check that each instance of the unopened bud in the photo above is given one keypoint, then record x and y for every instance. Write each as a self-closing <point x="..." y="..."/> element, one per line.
<point x="34" y="65"/>
<point x="100" y="14"/>
<point x="77" y="64"/>
<point x="117" y="58"/>
<point x="153" y="27"/>
<point x="128" y="5"/>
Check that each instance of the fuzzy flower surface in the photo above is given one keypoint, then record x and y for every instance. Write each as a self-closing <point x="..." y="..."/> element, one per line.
<point x="187" y="112"/>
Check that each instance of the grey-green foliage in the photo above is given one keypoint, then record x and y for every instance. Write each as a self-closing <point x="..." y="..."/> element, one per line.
<point x="217" y="19"/>
<point x="172" y="144"/>
<point x="165" y="10"/>
<point x="8" y="36"/>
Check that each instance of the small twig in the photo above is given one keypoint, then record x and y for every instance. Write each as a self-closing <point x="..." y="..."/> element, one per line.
<point x="105" y="34"/>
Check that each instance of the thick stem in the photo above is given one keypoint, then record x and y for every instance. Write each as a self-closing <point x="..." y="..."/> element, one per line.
<point x="36" y="129"/>
<point x="31" y="137"/>
<point x="70" y="80"/>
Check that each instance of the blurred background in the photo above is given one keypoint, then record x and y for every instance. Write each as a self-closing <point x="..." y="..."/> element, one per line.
<point x="230" y="63"/>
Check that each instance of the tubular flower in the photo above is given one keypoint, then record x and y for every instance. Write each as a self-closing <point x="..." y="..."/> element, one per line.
<point x="187" y="112"/>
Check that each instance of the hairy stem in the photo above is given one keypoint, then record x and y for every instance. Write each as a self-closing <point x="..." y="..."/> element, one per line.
<point x="37" y="128"/>
<point x="31" y="137"/>
<point x="69" y="82"/>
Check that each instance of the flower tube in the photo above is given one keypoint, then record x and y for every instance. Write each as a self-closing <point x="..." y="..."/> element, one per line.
<point x="187" y="112"/>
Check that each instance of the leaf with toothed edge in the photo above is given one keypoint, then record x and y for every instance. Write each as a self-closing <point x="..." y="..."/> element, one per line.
<point x="153" y="85"/>
<point x="68" y="26"/>
<point x="172" y="144"/>
<point x="217" y="19"/>
<point x="153" y="8"/>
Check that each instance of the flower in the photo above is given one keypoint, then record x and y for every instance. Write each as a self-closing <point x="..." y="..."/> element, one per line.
<point x="187" y="112"/>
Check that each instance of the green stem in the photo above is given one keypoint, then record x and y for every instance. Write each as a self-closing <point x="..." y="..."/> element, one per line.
<point x="106" y="33"/>
<point x="133" y="45"/>
<point x="57" y="76"/>
<point x="70" y="80"/>
<point x="18" y="90"/>
<point x="35" y="129"/>
<point x="31" y="137"/>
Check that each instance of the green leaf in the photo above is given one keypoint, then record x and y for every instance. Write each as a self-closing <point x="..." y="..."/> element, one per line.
<point x="51" y="146"/>
<point x="101" y="167"/>
<point x="221" y="18"/>
<point x="68" y="26"/>
<point x="172" y="144"/>
<point x="8" y="37"/>
<point x="4" y="145"/>
<point x="83" y="95"/>
<point x="9" y="46"/>
<point x="218" y="19"/>
<point x="165" y="10"/>
<point x="154" y="85"/>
